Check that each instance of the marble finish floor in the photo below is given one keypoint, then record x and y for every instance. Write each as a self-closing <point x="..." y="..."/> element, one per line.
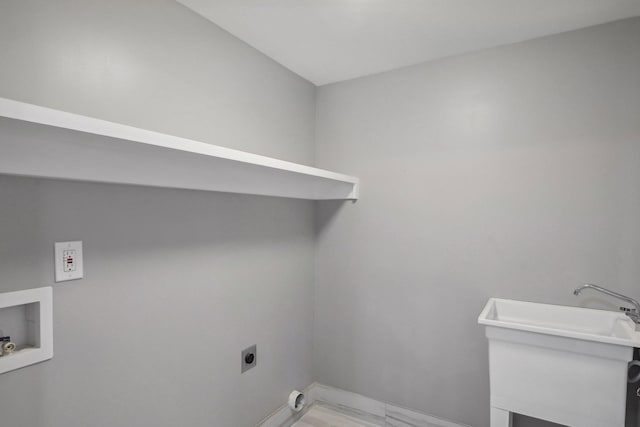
<point x="319" y="416"/>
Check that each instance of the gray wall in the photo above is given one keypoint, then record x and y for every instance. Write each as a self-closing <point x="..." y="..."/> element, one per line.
<point x="512" y="172"/>
<point x="156" y="65"/>
<point x="176" y="282"/>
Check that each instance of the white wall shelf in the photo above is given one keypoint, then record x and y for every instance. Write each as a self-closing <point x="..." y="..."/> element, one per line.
<point x="47" y="143"/>
<point x="38" y="317"/>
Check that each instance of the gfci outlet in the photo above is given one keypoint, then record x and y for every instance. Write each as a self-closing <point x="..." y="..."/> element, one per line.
<point x="68" y="261"/>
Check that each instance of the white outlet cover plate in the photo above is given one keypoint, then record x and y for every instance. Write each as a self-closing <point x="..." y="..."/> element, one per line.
<point x="74" y="265"/>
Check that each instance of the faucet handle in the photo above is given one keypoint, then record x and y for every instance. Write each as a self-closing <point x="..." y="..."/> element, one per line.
<point x="632" y="313"/>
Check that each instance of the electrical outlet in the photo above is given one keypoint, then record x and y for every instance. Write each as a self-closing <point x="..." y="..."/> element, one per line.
<point x="249" y="358"/>
<point x="68" y="261"/>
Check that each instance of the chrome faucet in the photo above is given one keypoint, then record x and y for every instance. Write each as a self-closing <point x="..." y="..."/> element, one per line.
<point x="634" y="313"/>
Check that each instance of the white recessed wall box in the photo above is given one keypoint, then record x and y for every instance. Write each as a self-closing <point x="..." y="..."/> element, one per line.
<point x="37" y="318"/>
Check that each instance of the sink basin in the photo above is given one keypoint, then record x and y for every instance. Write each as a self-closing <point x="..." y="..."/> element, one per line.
<point x="566" y="365"/>
<point x="571" y="322"/>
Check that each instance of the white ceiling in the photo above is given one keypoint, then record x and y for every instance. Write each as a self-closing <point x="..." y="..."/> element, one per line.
<point x="326" y="41"/>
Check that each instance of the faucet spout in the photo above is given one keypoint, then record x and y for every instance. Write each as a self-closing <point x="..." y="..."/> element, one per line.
<point x="635" y="314"/>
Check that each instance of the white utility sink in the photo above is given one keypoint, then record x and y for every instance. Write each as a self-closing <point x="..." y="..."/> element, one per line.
<point x="571" y="322"/>
<point x="562" y="364"/>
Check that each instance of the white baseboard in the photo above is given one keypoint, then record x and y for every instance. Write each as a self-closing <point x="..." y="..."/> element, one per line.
<point x="356" y="405"/>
